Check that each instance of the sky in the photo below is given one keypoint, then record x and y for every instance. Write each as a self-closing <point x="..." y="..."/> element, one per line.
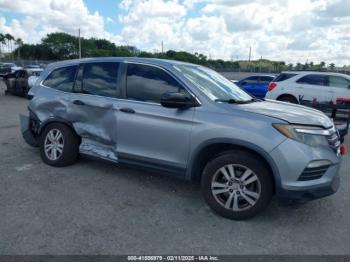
<point x="284" y="30"/>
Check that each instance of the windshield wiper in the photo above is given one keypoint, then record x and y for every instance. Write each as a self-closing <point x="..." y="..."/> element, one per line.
<point x="234" y="101"/>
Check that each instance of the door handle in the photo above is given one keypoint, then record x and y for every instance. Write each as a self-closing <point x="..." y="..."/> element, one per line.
<point x="78" y="102"/>
<point x="127" y="110"/>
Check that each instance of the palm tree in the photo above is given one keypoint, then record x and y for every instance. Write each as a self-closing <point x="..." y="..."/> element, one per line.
<point x="299" y="66"/>
<point x="11" y="44"/>
<point x="9" y="39"/>
<point x="19" y="44"/>
<point x="2" y="41"/>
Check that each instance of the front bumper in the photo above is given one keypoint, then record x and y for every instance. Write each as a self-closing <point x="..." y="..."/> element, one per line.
<point x="304" y="194"/>
<point x="292" y="158"/>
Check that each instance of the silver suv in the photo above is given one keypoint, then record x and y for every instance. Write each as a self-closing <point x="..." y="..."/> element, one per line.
<point x="187" y="121"/>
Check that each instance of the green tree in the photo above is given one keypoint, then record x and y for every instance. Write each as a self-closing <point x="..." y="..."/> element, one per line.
<point x="62" y="45"/>
<point x="19" y="43"/>
<point x="2" y="42"/>
<point x="9" y="39"/>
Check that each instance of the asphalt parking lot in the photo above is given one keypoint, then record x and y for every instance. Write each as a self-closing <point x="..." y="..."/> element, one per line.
<point x="94" y="207"/>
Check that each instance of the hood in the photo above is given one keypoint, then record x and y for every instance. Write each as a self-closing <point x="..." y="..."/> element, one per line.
<point x="293" y="114"/>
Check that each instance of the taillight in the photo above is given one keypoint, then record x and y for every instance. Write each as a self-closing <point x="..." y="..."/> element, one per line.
<point x="343" y="150"/>
<point x="272" y="85"/>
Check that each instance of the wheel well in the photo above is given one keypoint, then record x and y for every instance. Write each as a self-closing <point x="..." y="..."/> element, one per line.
<point x="210" y="151"/>
<point x="287" y="95"/>
<point x="42" y="128"/>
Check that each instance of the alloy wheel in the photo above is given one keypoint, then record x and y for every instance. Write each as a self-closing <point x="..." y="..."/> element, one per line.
<point x="236" y="187"/>
<point x="54" y="144"/>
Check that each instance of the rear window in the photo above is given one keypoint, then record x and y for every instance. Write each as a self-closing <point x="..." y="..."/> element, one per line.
<point x="62" y="78"/>
<point x="320" y="80"/>
<point x="283" y="77"/>
<point x="338" y="81"/>
<point x="266" y="79"/>
<point x="100" y="79"/>
<point x="251" y="80"/>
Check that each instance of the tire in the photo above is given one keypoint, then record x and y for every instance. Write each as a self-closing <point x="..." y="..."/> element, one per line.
<point x="288" y="98"/>
<point x="66" y="145"/>
<point x="25" y="91"/>
<point x="258" y="183"/>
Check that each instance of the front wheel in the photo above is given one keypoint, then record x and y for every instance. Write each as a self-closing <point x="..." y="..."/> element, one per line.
<point x="237" y="184"/>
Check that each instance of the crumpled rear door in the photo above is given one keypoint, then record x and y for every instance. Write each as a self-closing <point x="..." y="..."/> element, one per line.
<point x="93" y="109"/>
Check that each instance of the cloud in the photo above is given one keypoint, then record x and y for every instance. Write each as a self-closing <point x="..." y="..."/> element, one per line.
<point x="238" y="24"/>
<point x="110" y="20"/>
<point x="338" y="8"/>
<point x="147" y="23"/>
<point x="152" y="10"/>
<point x="45" y="16"/>
<point x="191" y="3"/>
<point x="302" y="42"/>
<point x="291" y="30"/>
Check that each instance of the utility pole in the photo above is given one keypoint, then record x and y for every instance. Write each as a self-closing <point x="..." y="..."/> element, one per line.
<point x="250" y="53"/>
<point x="79" y="45"/>
<point x="162" y="47"/>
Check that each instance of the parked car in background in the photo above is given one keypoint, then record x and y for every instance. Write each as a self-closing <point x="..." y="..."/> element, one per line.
<point x="4" y="69"/>
<point x="17" y="83"/>
<point x="293" y="86"/>
<point x="13" y="67"/>
<point x="187" y="121"/>
<point x="32" y="67"/>
<point x="35" y="75"/>
<point x="256" y="85"/>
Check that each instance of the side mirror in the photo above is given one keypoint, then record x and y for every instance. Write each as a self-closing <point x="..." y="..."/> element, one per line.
<point x="177" y="100"/>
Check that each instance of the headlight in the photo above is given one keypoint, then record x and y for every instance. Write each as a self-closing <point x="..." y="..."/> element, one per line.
<point x="312" y="136"/>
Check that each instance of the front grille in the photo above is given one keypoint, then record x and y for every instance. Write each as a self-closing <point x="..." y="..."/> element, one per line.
<point x="313" y="173"/>
<point x="334" y="139"/>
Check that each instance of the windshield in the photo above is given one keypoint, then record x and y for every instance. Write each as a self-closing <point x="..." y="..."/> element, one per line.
<point x="212" y="84"/>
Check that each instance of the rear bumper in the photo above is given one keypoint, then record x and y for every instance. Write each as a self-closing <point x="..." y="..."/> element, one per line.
<point x="27" y="133"/>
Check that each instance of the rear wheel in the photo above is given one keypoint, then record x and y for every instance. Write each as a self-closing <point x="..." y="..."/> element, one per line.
<point x="59" y="145"/>
<point x="288" y="98"/>
<point x="25" y="92"/>
<point x="237" y="184"/>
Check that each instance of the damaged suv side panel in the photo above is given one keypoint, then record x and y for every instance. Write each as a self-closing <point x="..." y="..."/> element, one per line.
<point x="88" y="114"/>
